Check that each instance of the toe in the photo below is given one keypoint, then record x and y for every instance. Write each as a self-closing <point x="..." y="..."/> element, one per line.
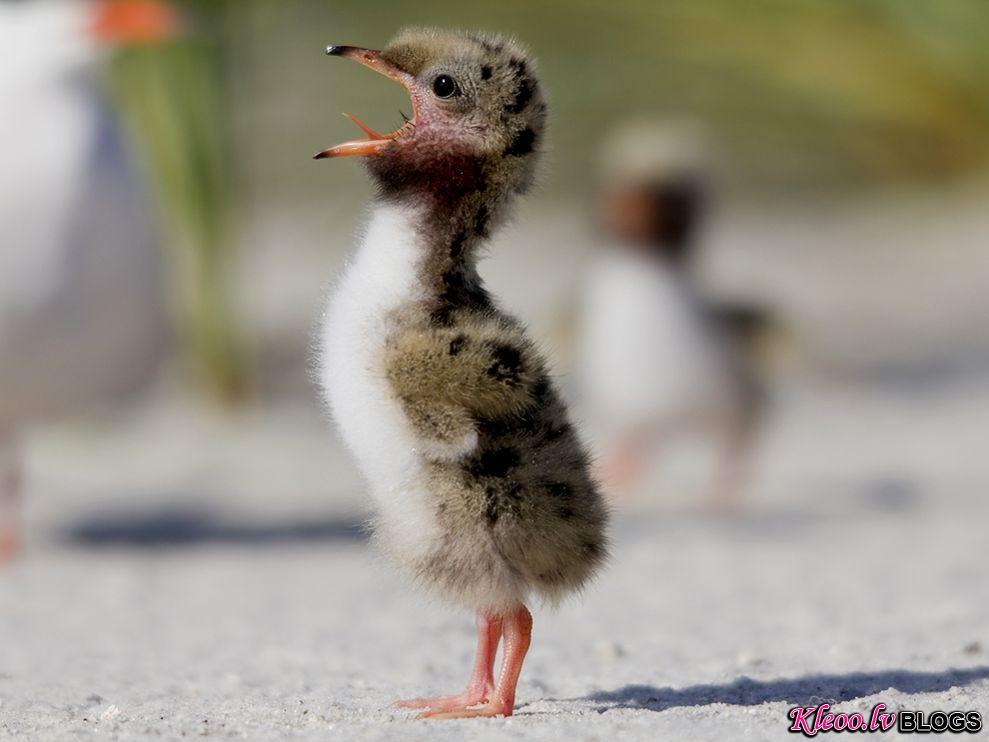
<point x="487" y="710"/>
<point x="441" y="703"/>
<point x="413" y="703"/>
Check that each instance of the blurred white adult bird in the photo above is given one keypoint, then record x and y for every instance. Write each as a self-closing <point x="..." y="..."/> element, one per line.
<point x="80" y="310"/>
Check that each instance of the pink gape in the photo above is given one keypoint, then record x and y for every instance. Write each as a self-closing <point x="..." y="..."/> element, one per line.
<point x="482" y="697"/>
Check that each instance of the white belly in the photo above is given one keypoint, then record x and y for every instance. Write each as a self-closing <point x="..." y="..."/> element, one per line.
<point x="380" y="278"/>
<point x="647" y="355"/>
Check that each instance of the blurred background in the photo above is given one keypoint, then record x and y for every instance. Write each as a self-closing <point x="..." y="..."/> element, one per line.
<point x="785" y="203"/>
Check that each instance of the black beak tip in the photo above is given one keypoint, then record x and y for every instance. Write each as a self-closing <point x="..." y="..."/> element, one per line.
<point x="319" y="156"/>
<point x="336" y="51"/>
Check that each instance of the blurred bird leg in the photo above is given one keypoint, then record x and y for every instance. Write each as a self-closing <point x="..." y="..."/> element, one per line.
<point x="10" y="496"/>
<point x="481" y="684"/>
<point x="517" y="634"/>
<point x="625" y="461"/>
<point x="732" y="467"/>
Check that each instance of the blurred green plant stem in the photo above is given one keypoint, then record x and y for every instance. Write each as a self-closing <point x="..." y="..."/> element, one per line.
<point x="170" y="96"/>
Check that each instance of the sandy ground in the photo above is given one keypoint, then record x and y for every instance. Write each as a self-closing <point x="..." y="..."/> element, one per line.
<point x="218" y="586"/>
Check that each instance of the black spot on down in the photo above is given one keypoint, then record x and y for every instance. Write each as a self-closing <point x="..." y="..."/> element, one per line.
<point x="495" y="463"/>
<point x="561" y="490"/>
<point x="522" y="97"/>
<point x="459" y="292"/>
<point x="507" y="363"/>
<point x="522" y="144"/>
<point x="457" y="245"/>
<point x="481" y="221"/>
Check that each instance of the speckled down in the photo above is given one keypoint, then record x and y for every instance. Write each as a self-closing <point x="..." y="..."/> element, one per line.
<point x="482" y="486"/>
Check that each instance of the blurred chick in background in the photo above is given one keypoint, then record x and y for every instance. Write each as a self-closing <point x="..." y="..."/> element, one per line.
<point x="81" y="312"/>
<point x="658" y="361"/>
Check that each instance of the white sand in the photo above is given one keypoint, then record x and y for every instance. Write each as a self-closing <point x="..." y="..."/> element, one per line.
<point x="858" y="574"/>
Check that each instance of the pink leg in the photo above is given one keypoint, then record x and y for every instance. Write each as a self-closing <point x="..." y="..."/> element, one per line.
<point x="10" y="494"/>
<point x="731" y="474"/>
<point x="517" y="633"/>
<point x="481" y="683"/>
<point x="625" y="461"/>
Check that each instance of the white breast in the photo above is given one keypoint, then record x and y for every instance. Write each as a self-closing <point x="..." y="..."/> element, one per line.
<point x="381" y="277"/>
<point x="647" y="352"/>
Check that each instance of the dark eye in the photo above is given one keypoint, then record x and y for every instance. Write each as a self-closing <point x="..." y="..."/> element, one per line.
<point x="445" y="86"/>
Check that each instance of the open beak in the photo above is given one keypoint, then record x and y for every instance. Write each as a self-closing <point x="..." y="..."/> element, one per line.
<point x="374" y="142"/>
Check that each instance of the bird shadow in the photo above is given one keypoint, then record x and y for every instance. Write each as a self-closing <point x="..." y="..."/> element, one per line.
<point x="178" y="527"/>
<point x="802" y="691"/>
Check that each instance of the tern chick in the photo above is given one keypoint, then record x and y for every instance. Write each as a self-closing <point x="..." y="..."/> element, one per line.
<point x="481" y="484"/>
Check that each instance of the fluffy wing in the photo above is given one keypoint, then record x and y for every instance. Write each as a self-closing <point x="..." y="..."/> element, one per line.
<point x="448" y="378"/>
